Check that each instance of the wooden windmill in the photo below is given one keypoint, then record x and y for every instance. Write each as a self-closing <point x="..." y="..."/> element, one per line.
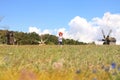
<point x="9" y="34"/>
<point x="107" y="39"/>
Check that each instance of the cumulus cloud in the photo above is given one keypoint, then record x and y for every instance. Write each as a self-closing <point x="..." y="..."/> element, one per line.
<point x="82" y="30"/>
<point x="39" y="31"/>
<point x="88" y="31"/>
<point x="34" y="29"/>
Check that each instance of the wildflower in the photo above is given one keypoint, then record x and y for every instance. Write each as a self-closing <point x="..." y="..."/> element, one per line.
<point x="113" y="65"/>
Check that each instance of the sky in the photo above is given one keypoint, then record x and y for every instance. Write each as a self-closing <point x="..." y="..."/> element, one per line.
<point x="81" y="20"/>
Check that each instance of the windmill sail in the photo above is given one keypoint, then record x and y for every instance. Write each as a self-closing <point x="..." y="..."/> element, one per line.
<point x="107" y="39"/>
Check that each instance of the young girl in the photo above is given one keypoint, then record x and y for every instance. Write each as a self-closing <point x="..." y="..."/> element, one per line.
<point x="60" y="38"/>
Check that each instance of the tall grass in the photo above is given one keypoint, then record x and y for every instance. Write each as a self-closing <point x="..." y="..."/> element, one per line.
<point x="83" y="62"/>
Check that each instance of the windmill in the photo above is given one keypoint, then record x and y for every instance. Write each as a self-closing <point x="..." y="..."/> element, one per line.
<point x="43" y="39"/>
<point x="8" y="34"/>
<point x="107" y="40"/>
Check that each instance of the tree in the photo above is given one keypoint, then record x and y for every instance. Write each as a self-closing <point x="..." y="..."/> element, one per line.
<point x="33" y="38"/>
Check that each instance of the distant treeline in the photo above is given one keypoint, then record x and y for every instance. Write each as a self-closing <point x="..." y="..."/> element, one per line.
<point x="22" y="38"/>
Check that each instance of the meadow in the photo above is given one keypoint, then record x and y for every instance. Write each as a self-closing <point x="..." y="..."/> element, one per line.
<point x="53" y="62"/>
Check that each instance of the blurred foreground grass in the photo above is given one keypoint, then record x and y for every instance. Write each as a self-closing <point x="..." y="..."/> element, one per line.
<point x="83" y="62"/>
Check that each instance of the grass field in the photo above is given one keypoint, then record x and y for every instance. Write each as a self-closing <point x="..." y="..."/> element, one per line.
<point x="70" y="62"/>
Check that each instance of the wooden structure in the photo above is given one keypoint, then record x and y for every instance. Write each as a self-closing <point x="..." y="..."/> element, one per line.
<point x="107" y="39"/>
<point x="10" y="37"/>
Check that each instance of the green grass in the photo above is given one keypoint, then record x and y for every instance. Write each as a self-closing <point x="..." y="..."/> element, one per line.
<point x="70" y="62"/>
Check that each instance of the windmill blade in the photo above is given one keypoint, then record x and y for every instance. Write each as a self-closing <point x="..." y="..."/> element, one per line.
<point x="99" y="39"/>
<point x="103" y="33"/>
<point x="1" y="17"/>
<point x="109" y="33"/>
<point x="4" y="27"/>
<point x="41" y="38"/>
<point x="47" y="38"/>
<point x="44" y="40"/>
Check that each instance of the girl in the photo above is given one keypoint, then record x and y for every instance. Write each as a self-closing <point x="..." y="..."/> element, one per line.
<point x="60" y="38"/>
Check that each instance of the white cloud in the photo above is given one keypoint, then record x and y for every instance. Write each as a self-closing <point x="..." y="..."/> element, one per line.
<point x="46" y="31"/>
<point x="88" y="31"/>
<point x="34" y="29"/>
<point x="82" y="30"/>
<point x="39" y="31"/>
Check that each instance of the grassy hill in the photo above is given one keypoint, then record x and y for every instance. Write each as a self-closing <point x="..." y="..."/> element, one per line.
<point x="53" y="62"/>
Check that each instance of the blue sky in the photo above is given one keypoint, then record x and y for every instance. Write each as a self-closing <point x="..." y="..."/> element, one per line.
<point x="78" y="19"/>
<point x="51" y="14"/>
